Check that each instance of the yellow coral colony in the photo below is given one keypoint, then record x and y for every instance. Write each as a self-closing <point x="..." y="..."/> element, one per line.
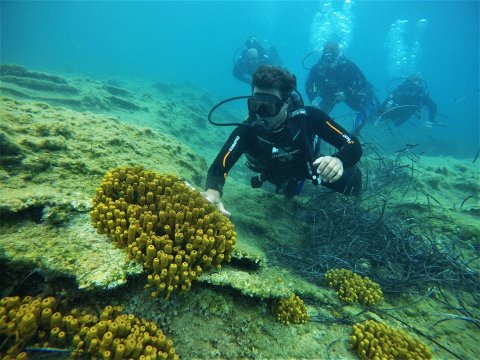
<point x="164" y="224"/>
<point x="37" y="322"/>
<point x="291" y="310"/>
<point x="354" y="288"/>
<point x="373" y="340"/>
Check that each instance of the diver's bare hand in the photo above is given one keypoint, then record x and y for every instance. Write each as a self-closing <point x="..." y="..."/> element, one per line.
<point x="329" y="168"/>
<point x="213" y="196"/>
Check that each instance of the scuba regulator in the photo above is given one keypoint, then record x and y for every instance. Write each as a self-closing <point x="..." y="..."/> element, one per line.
<point x="260" y="126"/>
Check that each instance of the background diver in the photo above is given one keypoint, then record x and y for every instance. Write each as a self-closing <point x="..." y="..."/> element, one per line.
<point x="279" y="143"/>
<point x="252" y="56"/>
<point x="406" y="100"/>
<point x="335" y="79"/>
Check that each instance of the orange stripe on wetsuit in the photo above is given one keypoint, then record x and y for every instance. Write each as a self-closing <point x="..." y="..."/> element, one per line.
<point x="349" y="141"/>
<point x="334" y="128"/>
<point x="228" y="154"/>
<point x="224" y="163"/>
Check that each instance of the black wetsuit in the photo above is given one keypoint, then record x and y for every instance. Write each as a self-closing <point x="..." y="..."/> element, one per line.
<point x="282" y="157"/>
<point x="407" y="99"/>
<point x="243" y="69"/>
<point x="345" y="76"/>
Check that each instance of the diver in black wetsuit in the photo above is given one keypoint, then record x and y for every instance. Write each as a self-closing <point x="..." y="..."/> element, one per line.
<point x="336" y="79"/>
<point x="408" y="99"/>
<point x="253" y="55"/>
<point x="280" y="145"/>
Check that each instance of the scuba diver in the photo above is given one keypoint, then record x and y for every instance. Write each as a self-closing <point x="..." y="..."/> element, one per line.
<point x="407" y="99"/>
<point x="336" y="79"/>
<point x="253" y="55"/>
<point x="280" y="139"/>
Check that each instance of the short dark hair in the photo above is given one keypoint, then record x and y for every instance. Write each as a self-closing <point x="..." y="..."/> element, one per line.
<point x="331" y="47"/>
<point x="274" y="77"/>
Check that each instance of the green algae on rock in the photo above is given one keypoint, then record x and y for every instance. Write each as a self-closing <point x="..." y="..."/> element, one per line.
<point x="56" y="159"/>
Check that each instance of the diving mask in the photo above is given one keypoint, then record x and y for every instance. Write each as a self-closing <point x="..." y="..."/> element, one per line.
<point x="329" y="57"/>
<point x="265" y="105"/>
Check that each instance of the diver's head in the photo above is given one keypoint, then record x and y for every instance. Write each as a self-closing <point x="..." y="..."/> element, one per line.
<point x="268" y="108"/>
<point x="330" y="53"/>
<point x="271" y="90"/>
<point x="252" y="42"/>
<point x="415" y="78"/>
<point x="274" y="77"/>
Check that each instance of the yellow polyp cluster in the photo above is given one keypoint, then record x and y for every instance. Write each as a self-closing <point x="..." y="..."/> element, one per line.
<point x="354" y="288"/>
<point x="19" y="320"/>
<point x="164" y="224"/>
<point x="115" y="335"/>
<point x="291" y="310"/>
<point x="373" y="340"/>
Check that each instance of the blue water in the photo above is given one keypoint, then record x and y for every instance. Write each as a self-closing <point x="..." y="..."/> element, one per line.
<point x="195" y="41"/>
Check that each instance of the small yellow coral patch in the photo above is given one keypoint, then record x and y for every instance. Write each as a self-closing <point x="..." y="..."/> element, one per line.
<point x="373" y="340"/>
<point x="291" y="310"/>
<point x="354" y="288"/>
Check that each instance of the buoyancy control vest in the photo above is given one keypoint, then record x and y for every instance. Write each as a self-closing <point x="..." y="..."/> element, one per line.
<point x="285" y="154"/>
